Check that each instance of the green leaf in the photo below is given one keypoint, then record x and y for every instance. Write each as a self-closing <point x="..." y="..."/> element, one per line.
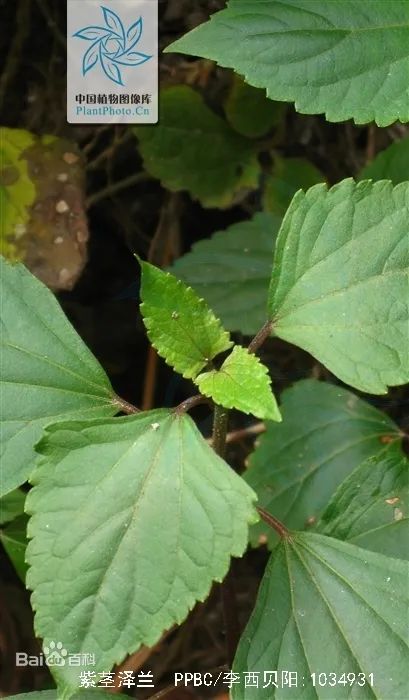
<point x="47" y="372"/>
<point x="193" y="149"/>
<point x="180" y="325"/>
<point x="371" y="506"/>
<point x="14" y="540"/>
<point x="339" y="287"/>
<point x="93" y="694"/>
<point x="232" y="271"/>
<point x="17" y="191"/>
<point x="290" y="175"/>
<point x="390" y="164"/>
<point x="242" y="382"/>
<point x="314" y="55"/>
<point x="249" y="111"/>
<point x="132" y="520"/>
<point x="297" y="466"/>
<point x="328" y="607"/>
<point x="11" y="505"/>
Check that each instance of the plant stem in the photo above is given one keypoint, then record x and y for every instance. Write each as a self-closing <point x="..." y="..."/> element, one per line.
<point x="116" y="187"/>
<point x="237" y="435"/>
<point x="280" y="529"/>
<point x="230" y="615"/>
<point x="149" y="386"/>
<point x="228" y="593"/>
<point x="220" y="421"/>
<point x="243" y="433"/>
<point x="191" y="402"/>
<point x="125" y="407"/>
<point x="261" y="337"/>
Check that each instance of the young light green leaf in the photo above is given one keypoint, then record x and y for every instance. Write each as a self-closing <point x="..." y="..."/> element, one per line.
<point x="339" y="286"/>
<point x="47" y="372"/>
<point x="315" y="57"/>
<point x="249" y="110"/>
<point x="390" y="164"/>
<point x="232" y="271"/>
<point x="289" y="176"/>
<point x="242" y="382"/>
<point x="193" y="149"/>
<point x="132" y="520"/>
<point x="11" y="505"/>
<point x="328" y="607"/>
<point x="180" y="325"/>
<point x="298" y="465"/>
<point x="14" y="540"/>
<point x="371" y="507"/>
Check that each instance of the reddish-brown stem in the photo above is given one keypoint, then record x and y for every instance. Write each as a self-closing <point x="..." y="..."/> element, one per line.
<point x="261" y="337"/>
<point x="228" y="593"/>
<point x="124" y="406"/>
<point x="280" y="529"/>
<point x="148" y="398"/>
<point x="190" y="403"/>
<point x="230" y="616"/>
<point x="237" y="435"/>
<point x="250" y="431"/>
<point x="220" y="421"/>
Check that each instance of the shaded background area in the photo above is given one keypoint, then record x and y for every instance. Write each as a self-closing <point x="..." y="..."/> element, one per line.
<point x="127" y="213"/>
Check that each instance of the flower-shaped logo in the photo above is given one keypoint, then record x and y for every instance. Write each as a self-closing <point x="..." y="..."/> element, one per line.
<point x="112" y="46"/>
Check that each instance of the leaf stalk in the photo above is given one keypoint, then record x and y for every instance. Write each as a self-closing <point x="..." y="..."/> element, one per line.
<point x="261" y="337"/>
<point x="280" y="529"/>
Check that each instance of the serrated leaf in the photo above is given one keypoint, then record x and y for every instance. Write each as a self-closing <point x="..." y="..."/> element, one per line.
<point x="297" y="466"/>
<point x="339" y="286"/>
<point x="314" y="55"/>
<point x="232" y="271"/>
<point x="11" y="505"/>
<point x="47" y="372"/>
<point x="289" y="176"/>
<point x="14" y="540"/>
<point x="242" y="382"/>
<point x="132" y="520"/>
<point x="371" y="507"/>
<point x="390" y="164"/>
<point x="180" y="325"/>
<point x="328" y="607"/>
<point x="193" y="149"/>
<point x="249" y="111"/>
